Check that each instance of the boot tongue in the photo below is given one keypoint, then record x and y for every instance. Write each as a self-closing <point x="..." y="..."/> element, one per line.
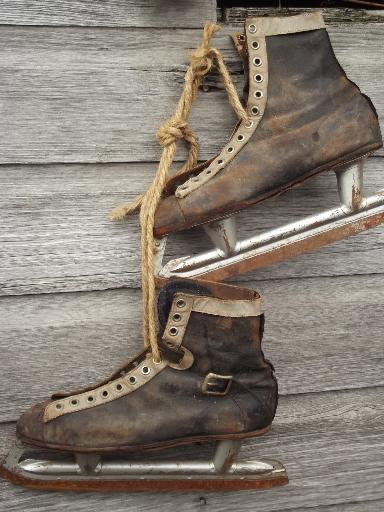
<point x="165" y="298"/>
<point x="239" y="40"/>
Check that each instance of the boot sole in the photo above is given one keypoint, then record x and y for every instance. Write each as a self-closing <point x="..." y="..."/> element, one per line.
<point x="146" y="447"/>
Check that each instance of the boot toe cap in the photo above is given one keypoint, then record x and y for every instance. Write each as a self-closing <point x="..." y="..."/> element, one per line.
<point x="30" y="425"/>
<point x="169" y="217"/>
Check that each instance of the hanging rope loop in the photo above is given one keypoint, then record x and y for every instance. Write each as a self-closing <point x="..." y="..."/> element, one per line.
<point x="177" y="128"/>
<point x="170" y="132"/>
<point x="202" y="58"/>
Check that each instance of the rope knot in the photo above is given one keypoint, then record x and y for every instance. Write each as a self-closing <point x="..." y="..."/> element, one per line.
<point x="201" y="61"/>
<point x="202" y="57"/>
<point x="172" y="130"/>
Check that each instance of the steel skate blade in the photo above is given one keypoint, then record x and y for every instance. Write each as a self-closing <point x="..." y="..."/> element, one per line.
<point x="351" y="217"/>
<point x="121" y="475"/>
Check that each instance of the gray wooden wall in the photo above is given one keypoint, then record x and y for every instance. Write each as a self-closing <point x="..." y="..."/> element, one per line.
<point x="83" y="86"/>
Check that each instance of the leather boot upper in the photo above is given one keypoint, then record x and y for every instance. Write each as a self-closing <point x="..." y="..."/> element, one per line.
<point x="214" y="381"/>
<point x="309" y="118"/>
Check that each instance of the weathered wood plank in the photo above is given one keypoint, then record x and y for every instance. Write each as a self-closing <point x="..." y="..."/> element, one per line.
<point x="321" y="334"/>
<point x="236" y="15"/>
<point x="113" y="13"/>
<point x="330" y="442"/>
<point x="91" y="95"/>
<point x="56" y="235"/>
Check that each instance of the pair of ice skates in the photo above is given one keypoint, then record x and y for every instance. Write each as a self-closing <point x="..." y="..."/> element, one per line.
<point x="211" y="382"/>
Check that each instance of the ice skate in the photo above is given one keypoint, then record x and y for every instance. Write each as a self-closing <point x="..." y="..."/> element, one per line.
<point x="211" y="383"/>
<point x="302" y="116"/>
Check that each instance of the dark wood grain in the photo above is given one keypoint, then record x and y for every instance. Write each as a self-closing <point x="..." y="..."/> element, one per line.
<point x="332" y="16"/>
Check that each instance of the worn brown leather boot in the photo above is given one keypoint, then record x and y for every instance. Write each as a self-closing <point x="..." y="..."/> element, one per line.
<point x="212" y="382"/>
<point x="306" y="117"/>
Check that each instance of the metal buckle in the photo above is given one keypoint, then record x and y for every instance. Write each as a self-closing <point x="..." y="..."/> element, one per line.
<point x="215" y="384"/>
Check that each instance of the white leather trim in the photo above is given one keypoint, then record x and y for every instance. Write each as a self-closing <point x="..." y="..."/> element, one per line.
<point x="273" y="26"/>
<point x="178" y="319"/>
<point x="229" y="308"/>
<point x="257" y="49"/>
<point x="106" y="393"/>
<point x="183" y="304"/>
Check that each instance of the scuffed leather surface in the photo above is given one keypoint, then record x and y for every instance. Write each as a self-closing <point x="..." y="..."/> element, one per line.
<point x="172" y="405"/>
<point x="314" y="117"/>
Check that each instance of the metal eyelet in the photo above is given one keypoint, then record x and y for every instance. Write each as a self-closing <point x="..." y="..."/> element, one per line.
<point x="104" y="393"/>
<point x="173" y="331"/>
<point x="145" y="370"/>
<point x="132" y="379"/>
<point x="258" y="78"/>
<point x="240" y="137"/>
<point x="90" y="398"/>
<point x="241" y="37"/>
<point x="255" y="45"/>
<point x="74" y="402"/>
<point x="180" y="303"/>
<point x="176" y="317"/>
<point x="252" y="28"/>
<point x="257" y="61"/>
<point x="255" y="111"/>
<point x="209" y="171"/>
<point x="59" y="406"/>
<point x="258" y="94"/>
<point x="230" y="149"/>
<point x="119" y="387"/>
<point x="249" y="124"/>
<point x="220" y="162"/>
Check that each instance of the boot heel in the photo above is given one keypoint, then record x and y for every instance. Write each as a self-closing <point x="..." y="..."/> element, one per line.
<point x="350" y="185"/>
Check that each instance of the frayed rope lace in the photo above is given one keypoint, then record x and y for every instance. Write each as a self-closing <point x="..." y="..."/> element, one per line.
<point x="174" y="129"/>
